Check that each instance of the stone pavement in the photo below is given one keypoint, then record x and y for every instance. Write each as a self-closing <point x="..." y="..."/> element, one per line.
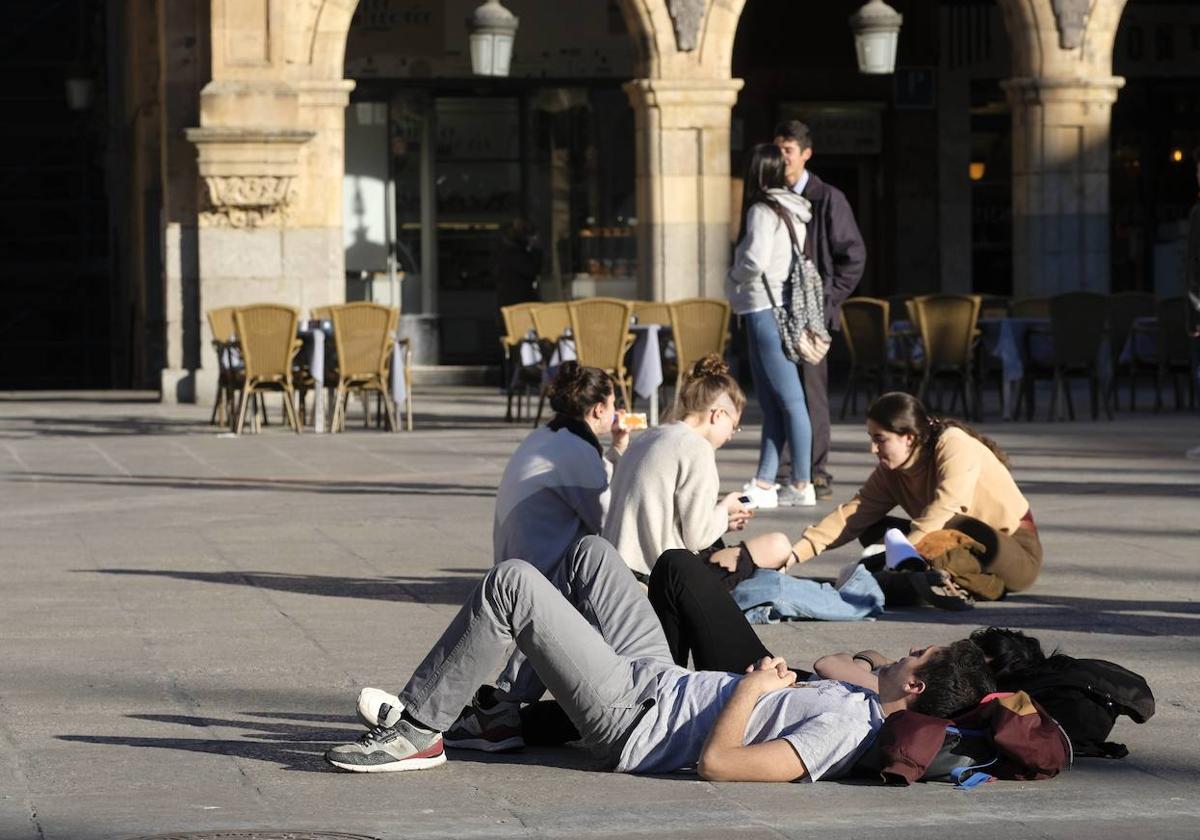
<point x="186" y="618"/>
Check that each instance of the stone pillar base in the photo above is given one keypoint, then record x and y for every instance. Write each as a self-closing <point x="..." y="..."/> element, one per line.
<point x="179" y="386"/>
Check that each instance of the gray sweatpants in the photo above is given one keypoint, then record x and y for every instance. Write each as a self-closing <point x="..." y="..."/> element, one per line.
<point x="600" y="654"/>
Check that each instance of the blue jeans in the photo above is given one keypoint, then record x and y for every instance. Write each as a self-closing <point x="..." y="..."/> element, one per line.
<point x="780" y="393"/>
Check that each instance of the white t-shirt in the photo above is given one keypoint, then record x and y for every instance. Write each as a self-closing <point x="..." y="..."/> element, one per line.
<point x="828" y="723"/>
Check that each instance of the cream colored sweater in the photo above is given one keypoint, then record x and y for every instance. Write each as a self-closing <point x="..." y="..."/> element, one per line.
<point x="664" y="495"/>
<point x="961" y="476"/>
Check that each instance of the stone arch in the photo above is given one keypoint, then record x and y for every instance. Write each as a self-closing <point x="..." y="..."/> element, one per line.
<point x="1062" y="38"/>
<point x="677" y="38"/>
<point x="326" y="44"/>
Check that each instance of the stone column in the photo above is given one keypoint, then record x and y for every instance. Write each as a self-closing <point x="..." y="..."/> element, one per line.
<point x="270" y="156"/>
<point x="684" y="212"/>
<point x="1060" y="183"/>
<point x="1061" y="97"/>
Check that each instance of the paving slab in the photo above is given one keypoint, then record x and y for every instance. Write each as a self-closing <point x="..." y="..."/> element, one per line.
<point x="186" y="618"/>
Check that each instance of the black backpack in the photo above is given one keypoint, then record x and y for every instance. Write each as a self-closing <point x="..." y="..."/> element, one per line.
<point x="1086" y="696"/>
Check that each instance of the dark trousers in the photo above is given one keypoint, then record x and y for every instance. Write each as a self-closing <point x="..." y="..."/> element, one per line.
<point x="816" y="391"/>
<point x="699" y="617"/>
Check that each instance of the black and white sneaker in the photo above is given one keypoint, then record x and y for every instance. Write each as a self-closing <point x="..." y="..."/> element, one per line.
<point x="390" y="749"/>
<point x="378" y="708"/>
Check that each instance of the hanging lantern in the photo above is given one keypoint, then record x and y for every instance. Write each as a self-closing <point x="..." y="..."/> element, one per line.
<point x="876" y="33"/>
<point x="492" y="29"/>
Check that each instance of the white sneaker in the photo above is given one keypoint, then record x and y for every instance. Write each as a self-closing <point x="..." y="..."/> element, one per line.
<point x="763" y="498"/>
<point x="789" y="496"/>
<point x="378" y="708"/>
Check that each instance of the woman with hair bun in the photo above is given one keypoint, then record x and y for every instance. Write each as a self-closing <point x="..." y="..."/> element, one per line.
<point x="969" y="519"/>
<point x="665" y="490"/>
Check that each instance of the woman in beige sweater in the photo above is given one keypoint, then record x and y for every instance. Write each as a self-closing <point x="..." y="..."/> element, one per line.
<point x="947" y="478"/>
<point x="666" y="490"/>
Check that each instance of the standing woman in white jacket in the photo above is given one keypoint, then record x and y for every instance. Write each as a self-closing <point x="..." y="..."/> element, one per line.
<point x="761" y="264"/>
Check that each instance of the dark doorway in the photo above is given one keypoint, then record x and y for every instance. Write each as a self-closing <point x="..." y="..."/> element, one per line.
<point x="55" y="266"/>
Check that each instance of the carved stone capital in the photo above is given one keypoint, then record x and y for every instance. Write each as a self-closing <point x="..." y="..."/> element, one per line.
<point x="249" y="174"/>
<point x="242" y="201"/>
<point x="1072" y="18"/>
<point x="687" y="17"/>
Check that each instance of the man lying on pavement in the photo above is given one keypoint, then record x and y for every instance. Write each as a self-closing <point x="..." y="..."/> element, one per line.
<point x="606" y="661"/>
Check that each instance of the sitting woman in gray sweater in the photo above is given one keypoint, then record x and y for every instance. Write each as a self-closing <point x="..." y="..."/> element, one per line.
<point x="554" y="490"/>
<point x="665" y="489"/>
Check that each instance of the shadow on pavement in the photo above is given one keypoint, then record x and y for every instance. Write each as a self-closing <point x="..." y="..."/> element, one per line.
<point x="348" y="488"/>
<point x="295" y="747"/>
<point x="1070" y="614"/>
<point x="431" y="590"/>
<point x="300" y="747"/>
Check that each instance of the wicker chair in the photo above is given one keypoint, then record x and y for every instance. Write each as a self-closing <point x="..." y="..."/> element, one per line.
<point x="865" y="329"/>
<point x="550" y="321"/>
<point x="220" y="324"/>
<point x="1174" y="351"/>
<point x="652" y="312"/>
<point x="266" y="334"/>
<point x="518" y="323"/>
<point x="1077" y="328"/>
<point x="363" y="334"/>
<point x="700" y="326"/>
<point x="600" y="327"/>
<point x="947" y="325"/>
<point x="1123" y="309"/>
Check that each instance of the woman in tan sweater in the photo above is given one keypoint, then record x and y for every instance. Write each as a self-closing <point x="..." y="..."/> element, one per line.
<point x="968" y="517"/>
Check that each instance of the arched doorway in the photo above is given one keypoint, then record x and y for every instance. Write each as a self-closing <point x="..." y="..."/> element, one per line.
<point x="487" y="191"/>
<point x="1156" y="128"/>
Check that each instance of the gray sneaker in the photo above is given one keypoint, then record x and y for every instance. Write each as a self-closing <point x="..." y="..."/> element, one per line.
<point x="789" y="496"/>
<point x="385" y="749"/>
<point x="494" y="729"/>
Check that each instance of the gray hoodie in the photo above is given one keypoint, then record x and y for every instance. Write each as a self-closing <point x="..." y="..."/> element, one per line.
<point x="766" y="249"/>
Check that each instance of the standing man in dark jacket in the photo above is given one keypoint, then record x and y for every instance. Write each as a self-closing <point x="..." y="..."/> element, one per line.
<point x="840" y="256"/>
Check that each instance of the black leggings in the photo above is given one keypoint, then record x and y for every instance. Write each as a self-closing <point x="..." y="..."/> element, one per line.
<point x="699" y="616"/>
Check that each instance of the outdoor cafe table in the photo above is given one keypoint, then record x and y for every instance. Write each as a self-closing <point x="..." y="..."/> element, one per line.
<point x="313" y="333"/>
<point x="647" y="360"/>
<point x="1005" y="339"/>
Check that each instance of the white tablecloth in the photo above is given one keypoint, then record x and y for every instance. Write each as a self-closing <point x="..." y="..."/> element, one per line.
<point x="314" y="331"/>
<point x="647" y="364"/>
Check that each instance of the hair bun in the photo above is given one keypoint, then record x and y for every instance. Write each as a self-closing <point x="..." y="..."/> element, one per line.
<point x="710" y="365"/>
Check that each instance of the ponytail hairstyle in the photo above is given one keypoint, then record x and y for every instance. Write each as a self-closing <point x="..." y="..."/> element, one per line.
<point x="766" y="170"/>
<point x="704" y="384"/>
<point x="576" y="389"/>
<point x="903" y="414"/>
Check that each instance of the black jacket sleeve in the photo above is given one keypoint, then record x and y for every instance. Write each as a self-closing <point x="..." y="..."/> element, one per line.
<point x="849" y="252"/>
